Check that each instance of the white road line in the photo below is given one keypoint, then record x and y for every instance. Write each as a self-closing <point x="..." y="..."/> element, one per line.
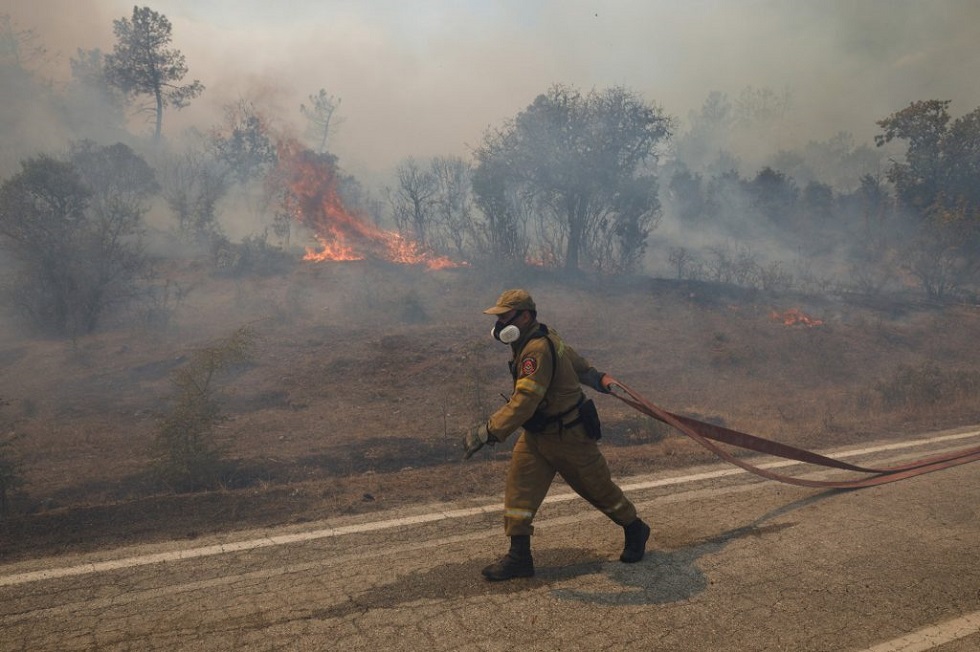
<point x="325" y="533"/>
<point x="932" y="636"/>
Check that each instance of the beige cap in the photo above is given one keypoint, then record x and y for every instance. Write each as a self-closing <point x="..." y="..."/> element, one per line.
<point x="511" y="300"/>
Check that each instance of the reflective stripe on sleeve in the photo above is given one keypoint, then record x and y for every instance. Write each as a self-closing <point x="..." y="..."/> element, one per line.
<point x="529" y="386"/>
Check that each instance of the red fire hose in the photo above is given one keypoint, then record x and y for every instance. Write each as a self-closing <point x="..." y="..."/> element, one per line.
<point x="706" y="434"/>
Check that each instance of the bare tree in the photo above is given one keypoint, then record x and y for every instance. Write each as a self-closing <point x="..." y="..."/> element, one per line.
<point x="762" y="107"/>
<point x="412" y="200"/>
<point x="19" y="48"/>
<point x="24" y="93"/>
<point x="453" y="203"/>
<point x="193" y="183"/>
<point x="322" y="118"/>
<point x="501" y="232"/>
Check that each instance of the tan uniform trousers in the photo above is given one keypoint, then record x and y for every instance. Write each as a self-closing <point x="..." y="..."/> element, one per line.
<point x="535" y="461"/>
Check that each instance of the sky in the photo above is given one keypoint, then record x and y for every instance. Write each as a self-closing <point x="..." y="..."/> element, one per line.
<point x="423" y="78"/>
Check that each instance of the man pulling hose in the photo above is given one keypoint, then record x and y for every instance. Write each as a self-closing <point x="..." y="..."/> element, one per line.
<point x="560" y="434"/>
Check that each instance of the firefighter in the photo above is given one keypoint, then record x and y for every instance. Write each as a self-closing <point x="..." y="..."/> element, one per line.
<point x="560" y="434"/>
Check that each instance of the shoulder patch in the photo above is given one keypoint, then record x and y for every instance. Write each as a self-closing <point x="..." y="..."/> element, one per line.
<point x="528" y="365"/>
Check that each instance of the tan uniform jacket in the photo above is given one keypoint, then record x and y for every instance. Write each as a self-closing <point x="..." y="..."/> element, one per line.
<point x="534" y="388"/>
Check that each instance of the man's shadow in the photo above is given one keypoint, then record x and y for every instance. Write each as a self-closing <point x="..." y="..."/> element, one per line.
<point x="662" y="577"/>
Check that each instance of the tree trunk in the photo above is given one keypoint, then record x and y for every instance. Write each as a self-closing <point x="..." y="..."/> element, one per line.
<point x="576" y="223"/>
<point x="574" y="242"/>
<point x="159" y="98"/>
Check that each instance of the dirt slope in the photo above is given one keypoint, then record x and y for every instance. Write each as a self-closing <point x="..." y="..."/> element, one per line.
<point x="365" y="374"/>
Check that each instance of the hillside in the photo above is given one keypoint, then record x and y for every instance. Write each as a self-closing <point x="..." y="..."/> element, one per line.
<point x="365" y="374"/>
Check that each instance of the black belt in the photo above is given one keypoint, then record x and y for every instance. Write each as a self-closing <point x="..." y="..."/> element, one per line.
<point x="538" y="422"/>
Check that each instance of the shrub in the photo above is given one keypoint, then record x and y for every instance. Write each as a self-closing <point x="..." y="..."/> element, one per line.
<point x="74" y="229"/>
<point x="186" y="456"/>
<point x="10" y="471"/>
<point x="925" y="385"/>
<point x="254" y="256"/>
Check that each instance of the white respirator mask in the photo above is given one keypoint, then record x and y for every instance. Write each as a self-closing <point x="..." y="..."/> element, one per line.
<point x="506" y="332"/>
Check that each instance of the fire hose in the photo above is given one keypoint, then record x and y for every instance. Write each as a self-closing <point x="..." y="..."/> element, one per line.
<point x="707" y="434"/>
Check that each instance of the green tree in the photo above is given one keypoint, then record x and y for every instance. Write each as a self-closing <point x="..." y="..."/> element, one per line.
<point x="687" y="196"/>
<point x="923" y="126"/>
<point x="870" y="236"/>
<point x="582" y="163"/>
<point x="937" y="183"/>
<point x="142" y="63"/>
<point x="75" y="229"/>
<point x="961" y="169"/>
<point x="774" y="195"/>
<point x="114" y="264"/>
<point x="939" y="256"/>
<point x="818" y="201"/>
<point x="243" y="143"/>
<point x="42" y="218"/>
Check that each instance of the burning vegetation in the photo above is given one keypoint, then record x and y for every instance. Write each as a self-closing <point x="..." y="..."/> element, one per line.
<point x="312" y="198"/>
<point x="795" y="317"/>
<point x="574" y="181"/>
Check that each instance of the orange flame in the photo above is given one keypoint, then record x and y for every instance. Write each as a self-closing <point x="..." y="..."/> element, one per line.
<point x="312" y="198"/>
<point x="544" y="258"/>
<point x="795" y="317"/>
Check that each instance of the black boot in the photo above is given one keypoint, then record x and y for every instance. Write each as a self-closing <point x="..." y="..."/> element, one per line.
<point x="637" y="534"/>
<point x="516" y="563"/>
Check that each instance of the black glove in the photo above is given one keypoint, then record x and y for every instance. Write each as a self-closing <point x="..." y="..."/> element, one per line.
<point x="596" y="380"/>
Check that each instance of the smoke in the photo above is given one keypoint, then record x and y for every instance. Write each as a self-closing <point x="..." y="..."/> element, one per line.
<point x="427" y="78"/>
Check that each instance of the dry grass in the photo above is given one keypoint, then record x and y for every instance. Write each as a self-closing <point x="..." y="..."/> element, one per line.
<point x="367" y="374"/>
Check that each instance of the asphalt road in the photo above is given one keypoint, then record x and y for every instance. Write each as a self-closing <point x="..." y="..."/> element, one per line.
<point x="736" y="563"/>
